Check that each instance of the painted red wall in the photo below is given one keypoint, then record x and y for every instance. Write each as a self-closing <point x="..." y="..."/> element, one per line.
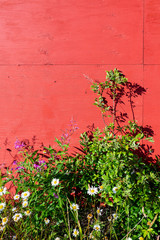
<point x="47" y="46"/>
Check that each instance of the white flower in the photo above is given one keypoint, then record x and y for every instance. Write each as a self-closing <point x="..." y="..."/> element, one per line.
<point x="16" y="197"/>
<point x="3" y="190"/>
<point x="115" y="189"/>
<point x="74" y="207"/>
<point x="57" y="238"/>
<point x="4" y="220"/>
<point x="25" y="195"/>
<point x="109" y="218"/>
<point x="27" y="213"/>
<point x="17" y="216"/>
<point x="96" y="227"/>
<point x="75" y="232"/>
<point x="115" y="216"/>
<point x="46" y="220"/>
<point x="129" y="238"/>
<point x="14" y="209"/>
<point x="55" y="182"/>
<point x="24" y="204"/>
<point x="99" y="211"/>
<point x="2" y="206"/>
<point x="2" y="228"/>
<point x="14" y="237"/>
<point x="92" y="190"/>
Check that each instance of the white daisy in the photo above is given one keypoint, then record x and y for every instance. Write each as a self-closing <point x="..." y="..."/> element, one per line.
<point x="109" y="218"/>
<point x="2" y="206"/>
<point x="99" y="211"/>
<point x="17" y="216"/>
<point x="2" y="228"/>
<point x="27" y="213"/>
<point x="16" y="197"/>
<point x="57" y="238"/>
<point x="55" y="182"/>
<point x="74" y="207"/>
<point x="14" y="237"/>
<point x="24" y="204"/>
<point x="14" y="209"/>
<point x="96" y="227"/>
<point x="115" y="216"/>
<point x="25" y="195"/>
<point x="75" y="232"/>
<point x="92" y="190"/>
<point x="46" y="220"/>
<point x="115" y="189"/>
<point x="3" y="190"/>
<point x="4" y="220"/>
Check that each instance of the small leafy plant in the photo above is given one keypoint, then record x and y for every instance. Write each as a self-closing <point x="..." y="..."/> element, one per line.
<point x="107" y="190"/>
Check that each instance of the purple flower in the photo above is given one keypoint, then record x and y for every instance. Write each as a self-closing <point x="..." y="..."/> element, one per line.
<point x="36" y="165"/>
<point x="55" y="195"/>
<point x="41" y="161"/>
<point x="19" y="167"/>
<point x="18" y="145"/>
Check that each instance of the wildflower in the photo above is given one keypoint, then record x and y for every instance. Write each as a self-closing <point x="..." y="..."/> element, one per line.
<point x="148" y="223"/>
<point x="25" y="195"/>
<point x="16" y="197"/>
<point x="96" y="227"/>
<point x="57" y="238"/>
<point x="14" y="209"/>
<point x="141" y="238"/>
<point x="55" y="195"/>
<point x="99" y="211"/>
<point x="19" y="145"/>
<point x="27" y="213"/>
<point x="14" y="237"/>
<point x="55" y="182"/>
<point x="129" y="238"/>
<point x="2" y="206"/>
<point x="89" y="216"/>
<point x="17" y="216"/>
<point x="2" y="228"/>
<point x="74" y="207"/>
<point x="24" y="204"/>
<point x="92" y="190"/>
<point x="115" y="189"/>
<point x="75" y="232"/>
<point x="4" y="220"/>
<point x="101" y="187"/>
<point x="115" y="216"/>
<point x="3" y="191"/>
<point x="109" y="218"/>
<point x="46" y="220"/>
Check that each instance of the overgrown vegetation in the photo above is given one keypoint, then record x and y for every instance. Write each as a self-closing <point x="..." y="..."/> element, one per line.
<point x="108" y="190"/>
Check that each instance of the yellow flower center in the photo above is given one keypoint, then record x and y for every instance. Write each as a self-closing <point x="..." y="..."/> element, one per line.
<point x="141" y="238"/>
<point x="97" y="228"/>
<point x="1" y="190"/>
<point x="75" y="232"/>
<point x="101" y="187"/>
<point x="28" y="212"/>
<point x="1" y="207"/>
<point x="25" y="194"/>
<point x="74" y="207"/>
<point x="98" y="211"/>
<point x="4" y="220"/>
<point x="92" y="190"/>
<point x="55" y="182"/>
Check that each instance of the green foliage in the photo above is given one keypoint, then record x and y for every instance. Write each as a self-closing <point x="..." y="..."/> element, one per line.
<point x="109" y="190"/>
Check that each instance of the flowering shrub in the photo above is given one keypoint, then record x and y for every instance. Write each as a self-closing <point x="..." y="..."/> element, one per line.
<point x="108" y="190"/>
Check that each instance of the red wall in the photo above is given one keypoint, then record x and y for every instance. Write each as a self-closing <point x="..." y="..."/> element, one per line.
<point x="47" y="46"/>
